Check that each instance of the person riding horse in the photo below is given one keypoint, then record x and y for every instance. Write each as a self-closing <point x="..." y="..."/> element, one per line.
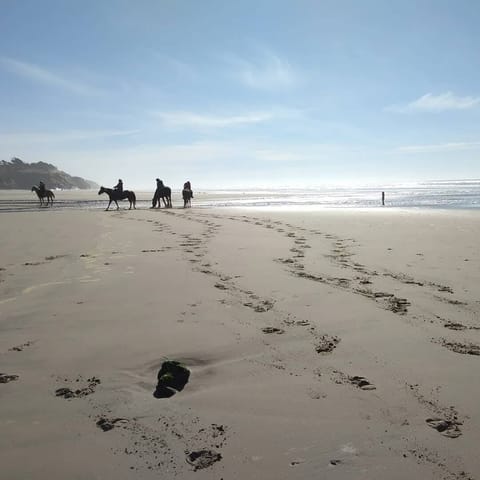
<point x="156" y="196"/>
<point x="187" y="194"/>
<point x="162" y="193"/>
<point x="119" y="187"/>
<point x="41" y="188"/>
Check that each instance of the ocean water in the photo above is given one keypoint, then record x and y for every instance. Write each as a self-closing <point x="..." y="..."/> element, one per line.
<point x="457" y="194"/>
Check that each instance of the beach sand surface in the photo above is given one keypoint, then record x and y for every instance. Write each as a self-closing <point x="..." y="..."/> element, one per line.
<point x="336" y="344"/>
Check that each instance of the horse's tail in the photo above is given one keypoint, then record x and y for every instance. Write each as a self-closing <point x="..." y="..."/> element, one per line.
<point x="53" y="195"/>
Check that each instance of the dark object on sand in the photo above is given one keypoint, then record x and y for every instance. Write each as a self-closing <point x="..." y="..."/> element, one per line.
<point x="172" y="378"/>
<point x="203" y="459"/>
<point x="383" y="198"/>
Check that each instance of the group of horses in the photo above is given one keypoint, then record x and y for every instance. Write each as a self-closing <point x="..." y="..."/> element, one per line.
<point x="162" y="194"/>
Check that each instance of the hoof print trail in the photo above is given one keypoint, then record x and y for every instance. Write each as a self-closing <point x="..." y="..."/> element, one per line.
<point x="448" y="428"/>
<point x="203" y="459"/>
<point x="172" y="378"/>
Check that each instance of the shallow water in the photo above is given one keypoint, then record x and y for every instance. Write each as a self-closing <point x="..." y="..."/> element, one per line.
<point x="464" y="194"/>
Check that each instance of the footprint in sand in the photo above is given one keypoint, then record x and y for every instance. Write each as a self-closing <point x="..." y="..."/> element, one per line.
<point x="20" y="348"/>
<point x="463" y="348"/>
<point x="448" y="428"/>
<point x="276" y="330"/>
<point x="107" y="424"/>
<point x="326" y="344"/>
<point x="4" y="378"/>
<point x="361" y="382"/>
<point x="201" y="459"/>
<point x="69" y="393"/>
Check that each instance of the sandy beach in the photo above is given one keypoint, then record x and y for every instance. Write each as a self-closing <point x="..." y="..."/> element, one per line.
<point x="333" y="344"/>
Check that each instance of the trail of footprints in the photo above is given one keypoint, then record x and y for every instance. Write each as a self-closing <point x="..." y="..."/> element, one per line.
<point x="153" y="450"/>
<point x="445" y="420"/>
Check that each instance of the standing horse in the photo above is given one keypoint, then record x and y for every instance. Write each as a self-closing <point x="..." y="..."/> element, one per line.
<point x="187" y="197"/>
<point x="41" y="195"/>
<point x="164" y="194"/>
<point x="115" y="195"/>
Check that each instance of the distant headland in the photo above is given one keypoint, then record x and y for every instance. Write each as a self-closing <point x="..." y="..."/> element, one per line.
<point x="17" y="174"/>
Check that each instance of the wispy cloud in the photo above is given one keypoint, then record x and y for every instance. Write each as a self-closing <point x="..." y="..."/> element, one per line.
<point x="22" y="138"/>
<point x="195" y="120"/>
<point x="46" y="77"/>
<point x="268" y="71"/>
<point x="441" y="147"/>
<point x="430" y="103"/>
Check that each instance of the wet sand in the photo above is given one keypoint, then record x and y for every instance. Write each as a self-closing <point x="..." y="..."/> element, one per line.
<point x="335" y="344"/>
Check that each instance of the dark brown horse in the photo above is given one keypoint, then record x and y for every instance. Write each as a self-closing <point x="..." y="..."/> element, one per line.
<point x="115" y="195"/>
<point x="48" y="194"/>
<point x="164" y="194"/>
<point x="187" y="197"/>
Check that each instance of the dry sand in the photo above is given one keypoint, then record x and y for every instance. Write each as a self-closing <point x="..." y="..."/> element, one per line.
<point x="372" y="373"/>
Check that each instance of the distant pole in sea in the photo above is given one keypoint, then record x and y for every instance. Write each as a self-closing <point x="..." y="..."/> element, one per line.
<point x="383" y="199"/>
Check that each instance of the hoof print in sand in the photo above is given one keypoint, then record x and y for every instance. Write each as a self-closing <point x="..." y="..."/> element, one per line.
<point x="4" y="378"/>
<point x="276" y="330"/>
<point x="448" y="428"/>
<point x="326" y="344"/>
<point x="107" y="424"/>
<point x="361" y="382"/>
<point x="68" y="393"/>
<point x="203" y="459"/>
<point x="172" y="378"/>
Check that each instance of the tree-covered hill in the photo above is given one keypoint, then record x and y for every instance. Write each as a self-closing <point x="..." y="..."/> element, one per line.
<point x="17" y="174"/>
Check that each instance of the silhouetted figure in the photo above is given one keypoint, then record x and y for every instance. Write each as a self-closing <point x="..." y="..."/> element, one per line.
<point x="119" y="186"/>
<point x="383" y="198"/>
<point x="156" y="196"/>
<point x="115" y="195"/>
<point x="42" y="194"/>
<point x="162" y="193"/>
<point x="187" y="194"/>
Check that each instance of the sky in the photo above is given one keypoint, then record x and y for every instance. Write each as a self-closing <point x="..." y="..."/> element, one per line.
<point x="245" y="93"/>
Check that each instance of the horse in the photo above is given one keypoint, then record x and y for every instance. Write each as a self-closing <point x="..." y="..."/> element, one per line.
<point x="164" y="194"/>
<point x="115" y="195"/>
<point x="187" y="197"/>
<point x="42" y="194"/>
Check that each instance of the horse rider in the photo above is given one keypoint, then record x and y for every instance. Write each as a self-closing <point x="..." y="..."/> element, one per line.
<point x="119" y="187"/>
<point x="41" y="188"/>
<point x="156" y="197"/>
<point x="188" y="186"/>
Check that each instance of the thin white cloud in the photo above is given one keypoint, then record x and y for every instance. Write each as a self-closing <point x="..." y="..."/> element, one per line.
<point x="441" y="147"/>
<point x="430" y="103"/>
<point x="46" y="77"/>
<point x="22" y="138"/>
<point x="195" y="120"/>
<point x="268" y="71"/>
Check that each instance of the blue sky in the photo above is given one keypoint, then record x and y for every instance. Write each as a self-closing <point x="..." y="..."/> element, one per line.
<point x="242" y="93"/>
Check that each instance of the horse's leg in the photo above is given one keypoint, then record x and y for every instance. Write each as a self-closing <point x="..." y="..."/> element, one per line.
<point x="109" y="203"/>
<point x="116" y="203"/>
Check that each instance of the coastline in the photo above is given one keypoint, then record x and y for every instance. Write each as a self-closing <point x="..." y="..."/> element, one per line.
<point x="381" y="296"/>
